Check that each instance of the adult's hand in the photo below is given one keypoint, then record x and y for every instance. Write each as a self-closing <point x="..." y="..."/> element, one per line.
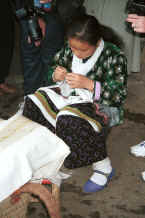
<point x="42" y="25"/>
<point x="137" y="22"/>
<point x="45" y="1"/>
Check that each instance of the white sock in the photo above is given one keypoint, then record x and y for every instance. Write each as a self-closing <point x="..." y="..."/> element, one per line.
<point x="103" y="166"/>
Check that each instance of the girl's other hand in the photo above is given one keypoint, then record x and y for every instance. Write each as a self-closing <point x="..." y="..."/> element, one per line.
<point x="59" y="74"/>
<point x="79" y="81"/>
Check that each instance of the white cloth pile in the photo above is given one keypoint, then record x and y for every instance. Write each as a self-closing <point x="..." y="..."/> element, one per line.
<point x="28" y="151"/>
<point x="139" y="151"/>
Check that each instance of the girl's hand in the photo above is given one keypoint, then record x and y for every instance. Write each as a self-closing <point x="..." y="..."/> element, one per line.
<point x="59" y="74"/>
<point x="79" y="81"/>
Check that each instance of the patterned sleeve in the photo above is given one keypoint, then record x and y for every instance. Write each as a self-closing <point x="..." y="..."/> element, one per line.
<point x="114" y="86"/>
<point x="57" y="61"/>
<point x="62" y="58"/>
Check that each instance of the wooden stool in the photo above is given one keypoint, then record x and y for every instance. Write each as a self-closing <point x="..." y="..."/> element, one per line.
<point x="8" y="209"/>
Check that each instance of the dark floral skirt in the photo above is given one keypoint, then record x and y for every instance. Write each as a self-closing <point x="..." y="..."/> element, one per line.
<point x="86" y="144"/>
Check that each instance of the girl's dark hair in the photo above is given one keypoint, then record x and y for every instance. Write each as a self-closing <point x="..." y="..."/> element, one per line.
<point x="87" y="28"/>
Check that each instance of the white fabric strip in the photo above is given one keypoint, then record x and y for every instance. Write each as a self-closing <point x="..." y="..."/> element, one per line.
<point x="57" y="99"/>
<point x="83" y="68"/>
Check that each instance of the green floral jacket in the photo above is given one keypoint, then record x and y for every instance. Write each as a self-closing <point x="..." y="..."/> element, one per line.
<point x="110" y="70"/>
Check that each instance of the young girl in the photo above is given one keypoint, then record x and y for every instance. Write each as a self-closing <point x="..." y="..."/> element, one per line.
<point x="91" y="77"/>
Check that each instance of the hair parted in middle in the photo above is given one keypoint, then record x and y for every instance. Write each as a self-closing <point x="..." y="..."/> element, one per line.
<point x="87" y="28"/>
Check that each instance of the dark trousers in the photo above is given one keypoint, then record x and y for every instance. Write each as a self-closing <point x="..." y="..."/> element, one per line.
<point x="36" y="60"/>
<point x="6" y="39"/>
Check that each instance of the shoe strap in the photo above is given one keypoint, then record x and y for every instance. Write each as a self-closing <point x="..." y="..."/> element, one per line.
<point x="142" y="144"/>
<point x="102" y="173"/>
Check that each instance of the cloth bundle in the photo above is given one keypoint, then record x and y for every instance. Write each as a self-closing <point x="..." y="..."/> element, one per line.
<point x="28" y="151"/>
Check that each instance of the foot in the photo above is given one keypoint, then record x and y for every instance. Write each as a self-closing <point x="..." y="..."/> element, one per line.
<point x="92" y="186"/>
<point x="7" y="88"/>
<point x="138" y="150"/>
<point x="143" y="175"/>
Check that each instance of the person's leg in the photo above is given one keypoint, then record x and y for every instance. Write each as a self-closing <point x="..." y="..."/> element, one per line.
<point x="103" y="173"/>
<point x="87" y="144"/>
<point x="6" y="49"/>
<point x="51" y="44"/>
<point x="34" y="113"/>
<point x="36" y="60"/>
<point x="42" y="107"/>
<point x="31" y="62"/>
<point x="83" y="131"/>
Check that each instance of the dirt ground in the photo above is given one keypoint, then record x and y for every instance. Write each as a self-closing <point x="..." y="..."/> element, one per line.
<point x="125" y="195"/>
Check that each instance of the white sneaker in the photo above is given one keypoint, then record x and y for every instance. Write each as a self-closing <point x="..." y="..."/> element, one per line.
<point x="138" y="150"/>
<point x="143" y="175"/>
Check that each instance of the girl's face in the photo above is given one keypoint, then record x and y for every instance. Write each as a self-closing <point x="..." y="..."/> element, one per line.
<point x="81" y="48"/>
